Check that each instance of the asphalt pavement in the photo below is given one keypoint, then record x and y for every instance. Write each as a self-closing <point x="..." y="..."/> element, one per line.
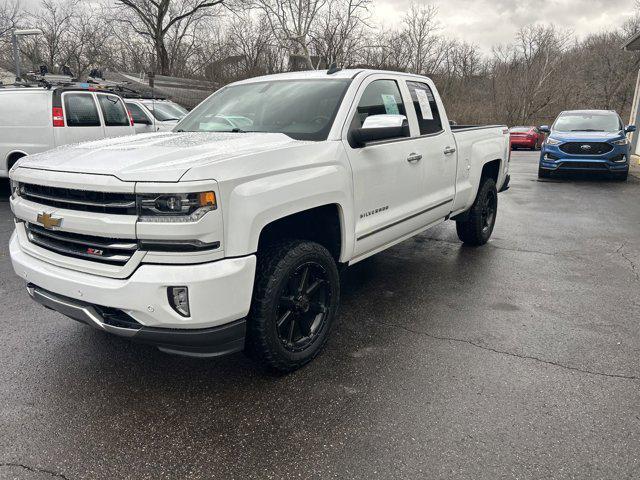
<point x="520" y="359"/>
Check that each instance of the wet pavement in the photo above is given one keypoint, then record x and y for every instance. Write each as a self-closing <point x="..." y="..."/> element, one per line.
<point x="520" y="359"/>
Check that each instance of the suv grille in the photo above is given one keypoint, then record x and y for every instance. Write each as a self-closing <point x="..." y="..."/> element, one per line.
<point x="98" y="249"/>
<point x="586" y="148"/>
<point x="83" y="200"/>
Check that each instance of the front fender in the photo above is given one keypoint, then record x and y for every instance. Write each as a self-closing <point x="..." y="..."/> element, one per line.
<point x="256" y="203"/>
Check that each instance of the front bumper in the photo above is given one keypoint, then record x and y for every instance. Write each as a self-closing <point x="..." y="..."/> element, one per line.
<point x="204" y="342"/>
<point x="553" y="159"/>
<point x="219" y="292"/>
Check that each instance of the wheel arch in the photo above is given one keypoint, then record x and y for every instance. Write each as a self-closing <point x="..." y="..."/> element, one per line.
<point x="296" y="203"/>
<point x="12" y="157"/>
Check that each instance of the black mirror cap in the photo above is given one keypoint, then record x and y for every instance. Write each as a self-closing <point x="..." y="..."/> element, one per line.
<point x="630" y="129"/>
<point x="544" y="129"/>
<point x="360" y="137"/>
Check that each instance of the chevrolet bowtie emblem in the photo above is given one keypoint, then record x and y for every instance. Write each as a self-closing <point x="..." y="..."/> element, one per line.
<point x="48" y="221"/>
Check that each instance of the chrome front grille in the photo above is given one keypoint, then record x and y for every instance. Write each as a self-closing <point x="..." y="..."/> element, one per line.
<point x="97" y="249"/>
<point x="81" y="200"/>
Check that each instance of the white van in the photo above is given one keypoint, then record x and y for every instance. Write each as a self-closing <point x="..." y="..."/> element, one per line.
<point x="35" y="119"/>
<point x="154" y="115"/>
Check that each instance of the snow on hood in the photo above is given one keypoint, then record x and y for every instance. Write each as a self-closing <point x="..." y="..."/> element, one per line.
<point x="155" y="157"/>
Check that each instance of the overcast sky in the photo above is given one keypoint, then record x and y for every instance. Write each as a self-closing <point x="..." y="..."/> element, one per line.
<point x="489" y="22"/>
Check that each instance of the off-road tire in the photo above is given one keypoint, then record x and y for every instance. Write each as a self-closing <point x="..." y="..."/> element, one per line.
<point x="276" y="265"/>
<point x="475" y="228"/>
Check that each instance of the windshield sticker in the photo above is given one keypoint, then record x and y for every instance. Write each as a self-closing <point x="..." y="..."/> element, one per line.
<point x="425" y="106"/>
<point x="390" y="105"/>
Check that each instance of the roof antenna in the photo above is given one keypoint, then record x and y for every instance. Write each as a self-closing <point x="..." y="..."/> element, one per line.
<point x="333" y="68"/>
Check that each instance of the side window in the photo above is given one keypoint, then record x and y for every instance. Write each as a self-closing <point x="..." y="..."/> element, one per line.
<point x="80" y="110"/>
<point x="113" y="111"/>
<point x="426" y="108"/>
<point x="138" y="115"/>
<point x="379" y="98"/>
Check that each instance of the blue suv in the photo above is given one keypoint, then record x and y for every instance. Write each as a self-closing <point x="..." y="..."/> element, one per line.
<point x="586" y="141"/>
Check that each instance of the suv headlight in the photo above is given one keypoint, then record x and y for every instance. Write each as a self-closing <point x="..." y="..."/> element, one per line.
<point x="621" y="142"/>
<point x="175" y="207"/>
<point x="553" y="141"/>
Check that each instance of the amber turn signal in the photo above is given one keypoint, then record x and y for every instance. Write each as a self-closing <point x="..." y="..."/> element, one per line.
<point x="207" y="199"/>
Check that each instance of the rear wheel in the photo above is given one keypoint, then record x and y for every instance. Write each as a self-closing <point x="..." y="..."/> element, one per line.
<point x="294" y="304"/>
<point x="477" y="226"/>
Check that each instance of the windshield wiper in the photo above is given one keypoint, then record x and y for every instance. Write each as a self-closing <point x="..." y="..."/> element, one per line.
<point x="587" y="130"/>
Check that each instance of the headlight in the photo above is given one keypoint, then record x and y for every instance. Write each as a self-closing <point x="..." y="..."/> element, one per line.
<point x="15" y="188"/>
<point x="553" y="141"/>
<point x="175" y="207"/>
<point x="622" y="141"/>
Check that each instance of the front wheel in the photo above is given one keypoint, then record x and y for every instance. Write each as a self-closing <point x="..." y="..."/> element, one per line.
<point x="476" y="228"/>
<point x="295" y="301"/>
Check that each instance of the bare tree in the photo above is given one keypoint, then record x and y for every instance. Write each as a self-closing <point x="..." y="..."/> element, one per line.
<point x="339" y="33"/>
<point x="291" y="22"/>
<point x="153" y="19"/>
<point x="419" y="27"/>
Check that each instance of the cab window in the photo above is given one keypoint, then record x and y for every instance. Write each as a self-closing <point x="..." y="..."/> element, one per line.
<point x="379" y="98"/>
<point x="80" y="110"/>
<point x="426" y="108"/>
<point x="138" y="115"/>
<point x="113" y="111"/>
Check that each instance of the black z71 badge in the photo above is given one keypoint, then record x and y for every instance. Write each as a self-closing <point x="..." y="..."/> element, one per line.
<point x="373" y="212"/>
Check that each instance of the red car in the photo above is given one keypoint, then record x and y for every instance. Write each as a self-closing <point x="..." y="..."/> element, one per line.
<point x="526" y="137"/>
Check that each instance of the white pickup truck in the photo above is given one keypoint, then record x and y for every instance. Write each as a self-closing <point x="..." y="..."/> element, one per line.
<point x="227" y="233"/>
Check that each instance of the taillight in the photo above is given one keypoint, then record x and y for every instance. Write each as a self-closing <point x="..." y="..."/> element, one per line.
<point x="58" y="117"/>
<point x="130" y="117"/>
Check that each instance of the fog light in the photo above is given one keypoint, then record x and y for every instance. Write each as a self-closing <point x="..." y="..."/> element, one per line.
<point x="620" y="159"/>
<point x="179" y="300"/>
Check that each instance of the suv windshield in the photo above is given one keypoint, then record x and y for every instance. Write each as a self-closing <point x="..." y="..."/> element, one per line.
<point x="588" y="122"/>
<point x="301" y="109"/>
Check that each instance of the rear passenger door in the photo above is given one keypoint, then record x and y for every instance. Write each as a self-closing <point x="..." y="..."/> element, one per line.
<point x="437" y="146"/>
<point x="115" y="116"/>
<point x="82" y="120"/>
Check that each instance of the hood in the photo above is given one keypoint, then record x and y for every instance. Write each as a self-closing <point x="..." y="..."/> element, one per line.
<point x="155" y="157"/>
<point x="586" y="136"/>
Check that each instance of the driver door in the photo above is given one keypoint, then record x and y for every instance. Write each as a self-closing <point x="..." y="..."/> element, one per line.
<point x="388" y="176"/>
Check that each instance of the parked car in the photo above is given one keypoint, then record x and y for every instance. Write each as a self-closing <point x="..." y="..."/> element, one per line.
<point x="151" y="115"/>
<point x="526" y="137"/>
<point x="586" y="141"/>
<point x="37" y="119"/>
<point x="210" y="238"/>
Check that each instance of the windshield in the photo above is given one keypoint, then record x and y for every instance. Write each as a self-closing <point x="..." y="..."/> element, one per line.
<point x="301" y="109"/>
<point x="588" y="122"/>
<point x="166" y="111"/>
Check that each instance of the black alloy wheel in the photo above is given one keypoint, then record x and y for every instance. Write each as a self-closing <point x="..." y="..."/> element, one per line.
<point x="304" y="307"/>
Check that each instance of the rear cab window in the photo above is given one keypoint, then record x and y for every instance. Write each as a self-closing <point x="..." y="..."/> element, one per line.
<point x="426" y="108"/>
<point x="80" y="110"/>
<point x="113" y="111"/>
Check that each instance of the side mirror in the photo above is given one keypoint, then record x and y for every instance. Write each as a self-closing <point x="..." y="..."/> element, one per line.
<point x="381" y="127"/>
<point x="630" y="129"/>
<point x="544" y="129"/>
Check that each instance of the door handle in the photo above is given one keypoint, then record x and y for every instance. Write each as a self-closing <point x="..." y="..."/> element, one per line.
<point x="414" y="157"/>
<point x="449" y="150"/>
